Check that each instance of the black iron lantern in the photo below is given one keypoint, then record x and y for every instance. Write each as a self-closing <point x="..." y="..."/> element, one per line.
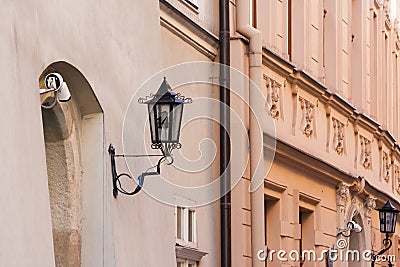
<point x="165" y="115"/>
<point x="387" y="218"/>
<point x="387" y="224"/>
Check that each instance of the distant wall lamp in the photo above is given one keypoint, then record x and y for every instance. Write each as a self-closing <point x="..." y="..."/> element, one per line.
<point x="165" y="109"/>
<point x="387" y="223"/>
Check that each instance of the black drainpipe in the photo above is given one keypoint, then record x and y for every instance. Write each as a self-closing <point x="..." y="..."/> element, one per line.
<point x="225" y="147"/>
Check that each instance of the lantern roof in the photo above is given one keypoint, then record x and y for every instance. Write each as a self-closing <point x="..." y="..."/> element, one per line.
<point x="164" y="95"/>
<point x="388" y="207"/>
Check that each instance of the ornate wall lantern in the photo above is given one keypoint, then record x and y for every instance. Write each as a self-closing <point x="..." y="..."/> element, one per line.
<point x="387" y="225"/>
<point x="165" y="116"/>
<point x="165" y="109"/>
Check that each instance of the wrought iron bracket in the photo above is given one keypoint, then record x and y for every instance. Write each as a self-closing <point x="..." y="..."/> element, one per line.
<point x="387" y="244"/>
<point x="117" y="187"/>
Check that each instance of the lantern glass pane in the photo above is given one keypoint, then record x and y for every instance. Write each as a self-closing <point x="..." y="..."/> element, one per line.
<point x="391" y="225"/>
<point x="382" y="221"/>
<point x="389" y="221"/>
<point x="152" y="121"/>
<point x="176" y="122"/>
<point x="394" y="222"/>
<point x="163" y="122"/>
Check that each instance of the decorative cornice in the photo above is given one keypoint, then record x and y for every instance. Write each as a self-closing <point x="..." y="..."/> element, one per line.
<point x="203" y="38"/>
<point x="330" y="174"/>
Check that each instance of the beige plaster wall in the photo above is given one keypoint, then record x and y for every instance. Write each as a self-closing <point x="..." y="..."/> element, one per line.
<point x="192" y="135"/>
<point x="104" y="41"/>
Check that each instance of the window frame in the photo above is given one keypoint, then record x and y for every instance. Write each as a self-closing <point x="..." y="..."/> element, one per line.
<point x="186" y="262"/>
<point x="184" y="222"/>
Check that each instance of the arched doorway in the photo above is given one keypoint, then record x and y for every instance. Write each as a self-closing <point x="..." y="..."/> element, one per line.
<point x="354" y="257"/>
<point x="74" y="142"/>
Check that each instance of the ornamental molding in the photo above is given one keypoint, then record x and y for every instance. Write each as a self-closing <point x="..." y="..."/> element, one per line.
<point x="274" y="92"/>
<point x="378" y="3"/>
<point x="307" y="120"/>
<point x="343" y="194"/>
<point x="388" y="24"/>
<point x="338" y="136"/>
<point x="366" y="152"/>
<point x="370" y="205"/>
<point x="386" y="166"/>
<point x="396" y="177"/>
<point x="352" y="199"/>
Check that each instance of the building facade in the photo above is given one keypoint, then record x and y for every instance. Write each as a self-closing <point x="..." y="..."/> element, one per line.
<point x="323" y="74"/>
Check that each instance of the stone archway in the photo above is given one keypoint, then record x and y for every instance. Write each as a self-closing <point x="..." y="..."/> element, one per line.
<point x="354" y="203"/>
<point x="73" y="133"/>
<point x="61" y="134"/>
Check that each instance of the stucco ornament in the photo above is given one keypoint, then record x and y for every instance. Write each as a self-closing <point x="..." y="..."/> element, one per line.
<point x="366" y="157"/>
<point x="338" y="138"/>
<point x="369" y="204"/>
<point x="386" y="166"/>
<point x="397" y="177"/>
<point x="343" y="194"/>
<point x="273" y="97"/>
<point x="308" y="117"/>
<point x="358" y="186"/>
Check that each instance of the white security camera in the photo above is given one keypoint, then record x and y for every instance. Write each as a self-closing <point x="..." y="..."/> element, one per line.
<point x="353" y="226"/>
<point x="54" y="82"/>
<point x="63" y="93"/>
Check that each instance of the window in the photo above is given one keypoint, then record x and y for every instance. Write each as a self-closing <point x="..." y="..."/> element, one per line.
<point x="186" y="263"/>
<point x="306" y="221"/>
<point x="186" y="225"/>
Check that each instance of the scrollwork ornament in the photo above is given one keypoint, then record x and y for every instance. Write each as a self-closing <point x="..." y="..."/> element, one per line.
<point x="273" y="97"/>
<point x="143" y="100"/>
<point x="338" y="140"/>
<point x="366" y="154"/>
<point x="386" y="167"/>
<point x="397" y="177"/>
<point x="308" y="117"/>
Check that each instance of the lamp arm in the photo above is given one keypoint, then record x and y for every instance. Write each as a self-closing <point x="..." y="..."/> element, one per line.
<point x="343" y="231"/>
<point x="387" y="243"/>
<point x="117" y="186"/>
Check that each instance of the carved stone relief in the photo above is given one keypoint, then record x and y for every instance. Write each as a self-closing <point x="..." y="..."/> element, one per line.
<point x="273" y="97"/>
<point x="386" y="166"/>
<point x="353" y="200"/>
<point x="338" y="136"/>
<point x="307" y="121"/>
<point x="370" y="205"/>
<point x="396" y="177"/>
<point x="366" y="152"/>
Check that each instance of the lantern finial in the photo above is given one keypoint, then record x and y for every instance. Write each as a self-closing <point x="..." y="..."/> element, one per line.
<point x="164" y="88"/>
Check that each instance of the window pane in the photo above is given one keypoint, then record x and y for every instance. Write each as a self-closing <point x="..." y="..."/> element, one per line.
<point x="191" y="226"/>
<point x="179" y="227"/>
<point x="180" y="264"/>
